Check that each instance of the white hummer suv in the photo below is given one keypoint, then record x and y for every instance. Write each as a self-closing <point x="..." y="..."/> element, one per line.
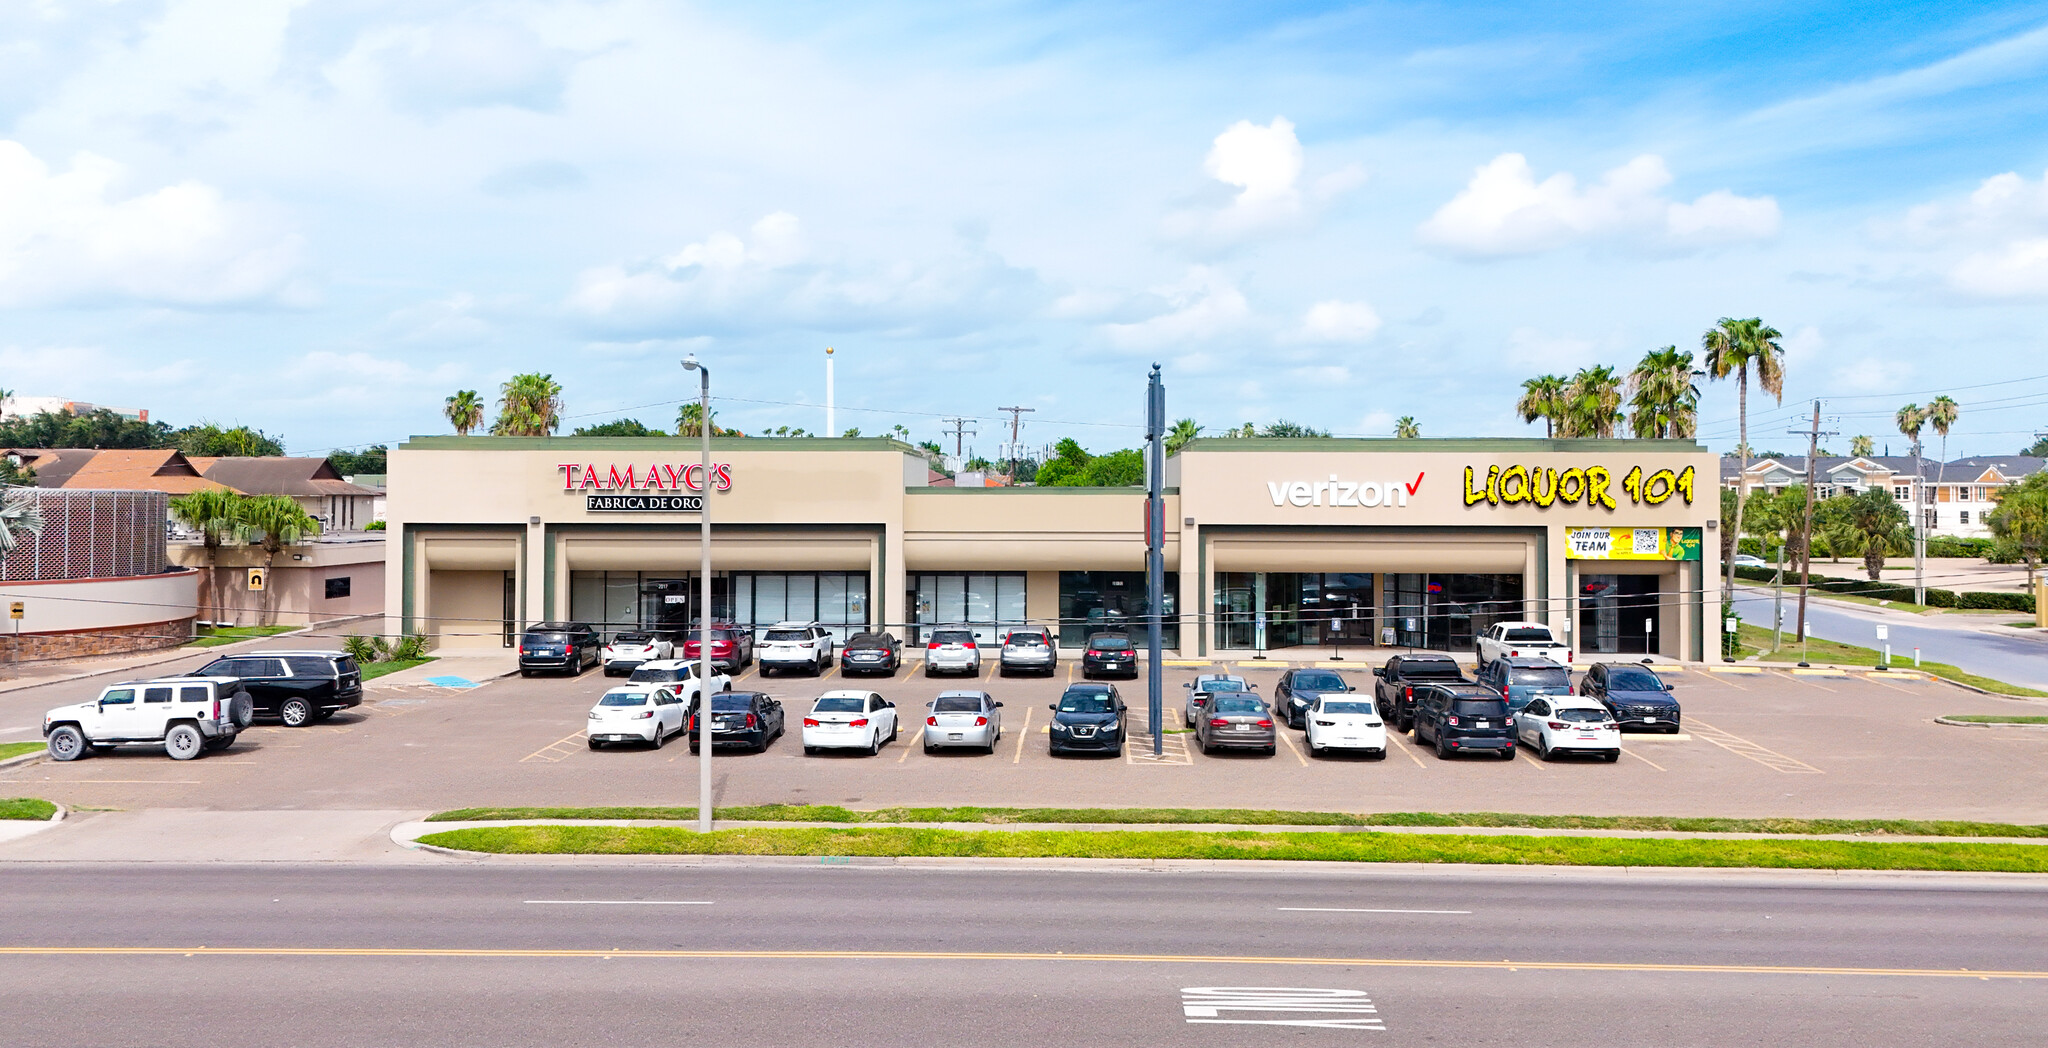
<point x="188" y="716"/>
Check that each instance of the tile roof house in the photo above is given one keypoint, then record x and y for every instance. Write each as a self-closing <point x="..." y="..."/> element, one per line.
<point x="313" y="482"/>
<point x="1957" y="494"/>
<point x="157" y="469"/>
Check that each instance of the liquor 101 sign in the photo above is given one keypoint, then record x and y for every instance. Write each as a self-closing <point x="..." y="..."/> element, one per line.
<point x="1605" y="543"/>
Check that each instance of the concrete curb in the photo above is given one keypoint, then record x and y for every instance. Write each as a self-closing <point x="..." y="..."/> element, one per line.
<point x="1976" y="724"/>
<point x="25" y="759"/>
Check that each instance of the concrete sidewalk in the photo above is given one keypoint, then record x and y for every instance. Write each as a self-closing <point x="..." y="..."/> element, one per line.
<point x="187" y="835"/>
<point x="474" y="665"/>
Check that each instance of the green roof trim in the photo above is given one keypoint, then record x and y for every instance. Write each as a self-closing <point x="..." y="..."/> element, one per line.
<point x="661" y="443"/>
<point x="1461" y="444"/>
<point x="1034" y="489"/>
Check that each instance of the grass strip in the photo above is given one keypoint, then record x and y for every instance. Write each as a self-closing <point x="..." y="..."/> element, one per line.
<point x="1262" y="817"/>
<point x="886" y="842"/>
<point x="16" y="749"/>
<point x="1756" y="640"/>
<point x="374" y="670"/>
<point x="1979" y="718"/>
<point x="213" y="637"/>
<point x="26" y="808"/>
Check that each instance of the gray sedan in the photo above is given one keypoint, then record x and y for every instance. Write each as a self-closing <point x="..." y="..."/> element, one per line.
<point x="1203" y="686"/>
<point x="1236" y="720"/>
<point x="963" y="718"/>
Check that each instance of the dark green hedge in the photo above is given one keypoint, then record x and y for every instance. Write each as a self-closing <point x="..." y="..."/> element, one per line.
<point x="1936" y="598"/>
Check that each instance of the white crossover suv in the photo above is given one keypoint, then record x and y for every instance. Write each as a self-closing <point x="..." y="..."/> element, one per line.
<point x="795" y="646"/>
<point x="187" y="716"/>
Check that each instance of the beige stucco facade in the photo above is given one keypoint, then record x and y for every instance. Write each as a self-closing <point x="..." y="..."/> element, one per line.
<point x="487" y="534"/>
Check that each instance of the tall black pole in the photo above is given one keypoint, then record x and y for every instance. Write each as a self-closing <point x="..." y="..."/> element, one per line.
<point x="1155" y="548"/>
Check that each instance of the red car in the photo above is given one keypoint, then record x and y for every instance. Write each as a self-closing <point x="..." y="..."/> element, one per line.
<point x="732" y="648"/>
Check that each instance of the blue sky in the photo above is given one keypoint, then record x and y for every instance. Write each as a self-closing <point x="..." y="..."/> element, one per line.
<point x="323" y="218"/>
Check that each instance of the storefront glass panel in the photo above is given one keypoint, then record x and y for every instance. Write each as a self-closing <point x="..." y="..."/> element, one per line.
<point x="1447" y="612"/>
<point x="1094" y="602"/>
<point x="617" y="601"/>
<point x="1299" y="609"/>
<point x="991" y="604"/>
<point x="1619" y="614"/>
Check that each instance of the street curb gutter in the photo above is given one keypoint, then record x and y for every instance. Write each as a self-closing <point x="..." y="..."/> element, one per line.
<point x="24" y="760"/>
<point x="1981" y="724"/>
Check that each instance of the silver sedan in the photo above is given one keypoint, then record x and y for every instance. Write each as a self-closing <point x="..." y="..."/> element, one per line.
<point x="971" y="719"/>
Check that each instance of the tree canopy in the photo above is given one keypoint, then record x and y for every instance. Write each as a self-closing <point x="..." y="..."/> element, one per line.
<point x="1073" y="467"/>
<point x="103" y="429"/>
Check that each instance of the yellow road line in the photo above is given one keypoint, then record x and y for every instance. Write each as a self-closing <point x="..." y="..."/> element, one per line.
<point x="1735" y="669"/>
<point x="1281" y="731"/>
<point x="542" y="754"/>
<point x="923" y="955"/>
<point x="1023" y="733"/>
<point x="1645" y="760"/>
<point x="1742" y="747"/>
<point x="1404" y="747"/>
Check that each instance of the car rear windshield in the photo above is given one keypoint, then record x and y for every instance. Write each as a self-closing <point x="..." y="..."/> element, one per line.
<point x="838" y="704"/>
<point x="1588" y="716"/>
<point x="1347" y="707"/>
<point x="347" y="664"/>
<point x="1430" y="668"/>
<point x="625" y="698"/>
<point x="1529" y="636"/>
<point x="631" y="638"/>
<point x="1111" y="644"/>
<point x="727" y="702"/>
<point x="867" y="640"/>
<point x="1225" y="684"/>
<point x="1634" y="680"/>
<point x="548" y="638"/>
<point x="952" y="636"/>
<point x="798" y="635"/>
<point x="1236" y="705"/>
<point x="1479" y="708"/>
<point x="1085" y="703"/>
<point x="1318" y="682"/>
<point x="658" y="676"/>
<point x="1029" y="640"/>
<point x="1541" y="677"/>
<point x="309" y="666"/>
<point x="957" y="704"/>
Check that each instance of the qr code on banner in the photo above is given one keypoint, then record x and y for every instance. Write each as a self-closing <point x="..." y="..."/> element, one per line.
<point x="1649" y="541"/>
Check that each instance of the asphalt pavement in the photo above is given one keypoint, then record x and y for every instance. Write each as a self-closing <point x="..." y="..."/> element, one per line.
<point x="853" y="954"/>
<point x="1957" y="640"/>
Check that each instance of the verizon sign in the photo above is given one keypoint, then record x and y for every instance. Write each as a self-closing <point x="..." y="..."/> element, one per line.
<point x="1335" y="492"/>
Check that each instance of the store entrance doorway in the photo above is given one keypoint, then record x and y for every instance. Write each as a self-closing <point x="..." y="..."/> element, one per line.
<point x="1620" y="614"/>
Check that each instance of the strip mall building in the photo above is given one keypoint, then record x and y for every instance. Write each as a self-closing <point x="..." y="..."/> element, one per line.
<point x="1271" y="544"/>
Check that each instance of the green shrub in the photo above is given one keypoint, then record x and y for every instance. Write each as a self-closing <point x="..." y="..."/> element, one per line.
<point x="1996" y="601"/>
<point x="375" y="525"/>
<point x="2004" y="551"/>
<point x="409" y="647"/>
<point x="380" y="649"/>
<point x="360" y="648"/>
<point x="1953" y="546"/>
<point x="1756" y="574"/>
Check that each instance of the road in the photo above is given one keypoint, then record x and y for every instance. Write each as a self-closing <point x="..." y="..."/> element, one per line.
<point x="859" y="954"/>
<point x="2014" y="659"/>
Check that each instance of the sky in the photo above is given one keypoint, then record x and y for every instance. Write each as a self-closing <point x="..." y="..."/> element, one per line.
<point x="322" y="218"/>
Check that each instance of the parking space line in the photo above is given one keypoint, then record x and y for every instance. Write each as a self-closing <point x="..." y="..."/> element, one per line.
<point x="1795" y="678"/>
<point x="1742" y="747"/>
<point x="1885" y="683"/>
<point x="1023" y="733"/>
<point x="1404" y="747"/>
<point x="1645" y="760"/>
<point x="1281" y="732"/>
<point x="993" y="668"/>
<point x="1535" y="761"/>
<point x="549" y="753"/>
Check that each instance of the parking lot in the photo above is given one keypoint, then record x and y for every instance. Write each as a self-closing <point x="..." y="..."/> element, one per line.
<point x="1759" y="744"/>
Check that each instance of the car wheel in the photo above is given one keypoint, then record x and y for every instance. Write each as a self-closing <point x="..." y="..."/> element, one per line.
<point x="524" y="672"/>
<point x="1543" y="749"/>
<point x="594" y="744"/>
<point x="1508" y="754"/>
<point x="1315" y="750"/>
<point x="695" y="749"/>
<point x="659" y="738"/>
<point x="1271" y="750"/>
<point x="296" y="713"/>
<point x="1442" y="752"/>
<point x="1379" y="754"/>
<point x="929" y="672"/>
<point x="875" y="744"/>
<point x="242" y="709"/>
<point x="1613" y="755"/>
<point x="810" y="751"/>
<point x="67" y="744"/>
<point x="183" y="742"/>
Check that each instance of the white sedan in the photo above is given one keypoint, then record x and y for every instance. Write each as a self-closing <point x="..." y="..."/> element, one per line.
<point x="1345" y="723"/>
<point x="647" y="716"/>
<point x="1557" y="724"/>
<point x="676" y="675"/>
<point x="860" y="720"/>
<point x="628" y="651"/>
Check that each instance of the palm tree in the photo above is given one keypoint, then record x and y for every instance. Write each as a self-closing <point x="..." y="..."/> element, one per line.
<point x="1663" y="402"/>
<point x="1941" y="414"/>
<point x="465" y="411"/>
<point x="1543" y="397"/>
<point x="277" y="521"/>
<point x="1406" y="428"/>
<point x="1862" y="447"/>
<point x="220" y="517"/>
<point x="20" y="513"/>
<point x="1732" y="348"/>
<point x="1182" y="432"/>
<point x="1879" y="523"/>
<point x="531" y="406"/>
<point x="1592" y="404"/>
<point x="689" y="419"/>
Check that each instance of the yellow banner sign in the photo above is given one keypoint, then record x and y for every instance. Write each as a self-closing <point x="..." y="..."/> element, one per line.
<point x="1632" y="543"/>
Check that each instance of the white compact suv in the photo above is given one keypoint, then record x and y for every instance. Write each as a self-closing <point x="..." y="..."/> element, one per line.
<point x="187" y="716"/>
<point x="794" y="645"/>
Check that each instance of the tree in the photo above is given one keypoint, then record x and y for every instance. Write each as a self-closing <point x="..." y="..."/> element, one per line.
<point x="13" y="474"/>
<point x="1833" y="531"/>
<point x="1663" y="402"/>
<point x="1406" y="428"/>
<point x="2038" y="449"/>
<point x="1879" y="522"/>
<point x="1728" y="537"/>
<point x="20" y="513"/>
<point x="1117" y="469"/>
<point x="373" y="460"/>
<point x="277" y="521"/>
<point x="1942" y="413"/>
<point x="2021" y="518"/>
<point x="618" y="427"/>
<point x="529" y="405"/>
<point x="209" y="439"/>
<point x="1181" y="434"/>
<point x="1284" y="428"/>
<point x="220" y="517"/>
<point x="689" y="420"/>
<point x="1733" y="347"/>
<point x="850" y="434"/>
<point x="465" y="411"/>
<point x="99" y="428"/>
<point x="1862" y="447"/>
<point x="1543" y="397"/>
<point x="1910" y="418"/>
<point x="1592" y="403"/>
<point x="1067" y="467"/>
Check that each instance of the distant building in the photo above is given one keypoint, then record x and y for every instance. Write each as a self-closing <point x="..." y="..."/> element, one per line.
<point x="1954" y="496"/>
<point x="23" y="407"/>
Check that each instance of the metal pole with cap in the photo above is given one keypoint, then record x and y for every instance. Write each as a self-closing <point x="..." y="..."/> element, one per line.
<point x="1155" y="551"/>
<point x="703" y="600"/>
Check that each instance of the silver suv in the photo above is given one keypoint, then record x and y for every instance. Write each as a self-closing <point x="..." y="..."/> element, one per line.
<point x="187" y="716"/>
<point x="1029" y="649"/>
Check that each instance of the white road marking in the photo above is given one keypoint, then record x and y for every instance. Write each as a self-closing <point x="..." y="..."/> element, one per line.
<point x="1301" y="1006"/>
<point x="615" y="902"/>
<point x="1346" y="909"/>
<point x="10" y="731"/>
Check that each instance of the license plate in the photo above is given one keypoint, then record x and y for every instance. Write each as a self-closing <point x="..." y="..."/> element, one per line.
<point x="1649" y="720"/>
<point x="1242" y="727"/>
<point x="955" y="736"/>
<point x="1479" y="724"/>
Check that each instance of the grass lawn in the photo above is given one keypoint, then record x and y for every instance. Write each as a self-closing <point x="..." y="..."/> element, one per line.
<point x="212" y="637"/>
<point x="374" y="670"/>
<point x="26" y="808"/>
<point x="2026" y="625"/>
<point x="1755" y="640"/>
<point x="1248" y="844"/>
<point x="16" y="749"/>
<point x="1260" y="817"/>
<point x="1994" y="719"/>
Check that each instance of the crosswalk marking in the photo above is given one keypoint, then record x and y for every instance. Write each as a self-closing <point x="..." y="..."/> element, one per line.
<point x="1742" y="747"/>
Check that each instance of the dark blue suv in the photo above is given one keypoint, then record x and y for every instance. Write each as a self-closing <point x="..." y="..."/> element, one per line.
<point x="1089" y="718"/>
<point x="1636" y="696"/>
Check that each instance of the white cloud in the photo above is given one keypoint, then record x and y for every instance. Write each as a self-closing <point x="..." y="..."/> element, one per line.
<point x="70" y="236"/>
<point x="467" y="61"/>
<point x="2000" y="232"/>
<point x="1504" y="211"/>
<point x="1529" y="349"/>
<point x="1264" y="163"/>
<point x="1201" y="306"/>
<point x="1336" y="322"/>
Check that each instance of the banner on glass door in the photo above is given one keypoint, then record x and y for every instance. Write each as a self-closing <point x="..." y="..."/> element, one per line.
<point x="1632" y="543"/>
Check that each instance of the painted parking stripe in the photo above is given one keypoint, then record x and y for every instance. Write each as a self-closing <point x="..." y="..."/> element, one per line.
<point x="1351" y="909"/>
<point x="617" y="902"/>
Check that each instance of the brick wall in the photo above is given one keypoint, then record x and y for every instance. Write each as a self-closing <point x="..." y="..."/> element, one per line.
<point x="115" y="640"/>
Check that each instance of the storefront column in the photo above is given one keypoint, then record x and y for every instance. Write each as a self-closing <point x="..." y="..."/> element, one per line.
<point x="1556" y="588"/>
<point x="531" y="576"/>
<point x="892" y="603"/>
<point x="1192" y="597"/>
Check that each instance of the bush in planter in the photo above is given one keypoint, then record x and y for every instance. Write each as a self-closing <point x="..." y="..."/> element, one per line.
<point x="1996" y="601"/>
<point x="360" y="648"/>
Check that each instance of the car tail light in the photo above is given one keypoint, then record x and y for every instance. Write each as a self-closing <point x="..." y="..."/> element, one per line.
<point x="981" y="722"/>
<point x="1555" y="725"/>
<point x="1095" y="653"/>
<point x="1508" y="723"/>
<point x="933" y="646"/>
<point x="1265" y="724"/>
<point x="1408" y="692"/>
<point x="691" y="725"/>
<point x="644" y="714"/>
<point x="1452" y="721"/>
<point x="810" y="722"/>
<point x="861" y="723"/>
<point x="1219" y="723"/>
<point x="1504" y="691"/>
<point x="969" y="646"/>
<point x="932" y="721"/>
<point x="1514" y="654"/>
<point x="1567" y="658"/>
<point x="216" y="709"/>
<point x="570" y="650"/>
<point x="522" y="651"/>
<point x="1610" y="726"/>
<point x="750" y="720"/>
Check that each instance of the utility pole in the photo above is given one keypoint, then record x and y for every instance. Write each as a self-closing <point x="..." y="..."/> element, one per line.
<point x="961" y="428"/>
<point x="1813" y="435"/>
<point x="1155" y="545"/>
<point x="1016" y="422"/>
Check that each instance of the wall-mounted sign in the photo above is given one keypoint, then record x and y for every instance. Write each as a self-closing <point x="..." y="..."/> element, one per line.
<point x="1591" y="486"/>
<point x="644" y="503"/>
<point x="1604" y="543"/>
<point x="1334" y="492"/>
<point x="658" y="476"/>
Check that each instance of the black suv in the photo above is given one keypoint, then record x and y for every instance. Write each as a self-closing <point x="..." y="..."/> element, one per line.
<point x="1110" y="653"/>
<point x="565" y="646"/>
<point x="1636" y="696"/>
<point x="1459" y="718"/>
<point x="1088" y="717"/>
<point x="296" y="687"/>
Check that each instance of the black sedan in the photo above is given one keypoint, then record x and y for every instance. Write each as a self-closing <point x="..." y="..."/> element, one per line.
<point x="739" y="718"/>
<point x="1110" y="655"/>
<point x="1087" y="719"/>
<point x="1299" y="689"/>
<point x="1635" y="695"/>
<point x="871" y="653"/>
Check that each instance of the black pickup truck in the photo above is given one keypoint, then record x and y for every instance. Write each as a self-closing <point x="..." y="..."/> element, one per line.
<point x="1393" y="687"/>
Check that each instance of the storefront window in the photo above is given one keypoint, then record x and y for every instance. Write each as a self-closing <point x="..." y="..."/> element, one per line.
<point x="617" y="601"/>
<point x="1324" y="609"/>
<point x="1619" y="613"/>
<point x="1094" y="602"/>
<point x="990" y="603"/>
<point x="1447" y="612"/>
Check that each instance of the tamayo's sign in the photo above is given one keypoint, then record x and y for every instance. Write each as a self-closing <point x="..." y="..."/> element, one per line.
<point x="655" y="477"/>
<point x="1590" y="486"/>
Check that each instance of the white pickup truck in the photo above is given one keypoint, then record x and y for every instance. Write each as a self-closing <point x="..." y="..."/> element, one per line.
<point x="1507" y="640"/>
<point x="187" y="716"/>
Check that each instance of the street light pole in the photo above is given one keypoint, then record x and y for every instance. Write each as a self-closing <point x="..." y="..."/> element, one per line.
<point x="703" y="599"/>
